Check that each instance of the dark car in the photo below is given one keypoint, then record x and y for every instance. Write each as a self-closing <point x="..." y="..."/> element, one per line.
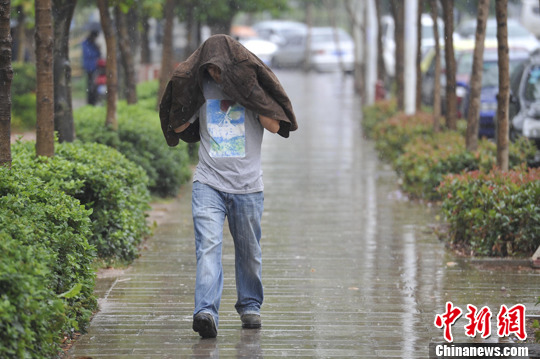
<point x="490" y="88"/>
<point x="524" y="109"/>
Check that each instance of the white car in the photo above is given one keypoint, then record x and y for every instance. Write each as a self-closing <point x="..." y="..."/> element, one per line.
<point x="330" y="50"/>
<point x="279" y="31"/>
<point x="263" y="49"/>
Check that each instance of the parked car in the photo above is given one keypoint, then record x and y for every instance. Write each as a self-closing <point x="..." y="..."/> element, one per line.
<point x="524" y="111"/>
<point x="330" y="50"/>
<point x="279" y="31"/>
<point x="518" y="36"/>
<point x="490" y="87"/>
<point x="263" y="49"/>
<point x="389" y="44"/>
<point x="463" y="70"/>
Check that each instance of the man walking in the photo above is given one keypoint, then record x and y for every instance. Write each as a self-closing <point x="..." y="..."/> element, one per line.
<point x="224" y="96"/>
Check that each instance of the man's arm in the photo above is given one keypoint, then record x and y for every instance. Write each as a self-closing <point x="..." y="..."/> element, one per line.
<point x="182" y="128"/>
<point x="269" y="123"/>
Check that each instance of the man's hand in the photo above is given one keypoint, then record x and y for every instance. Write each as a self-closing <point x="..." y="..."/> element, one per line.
<point x="182" y="128"/>
<point x="269" y="123"/>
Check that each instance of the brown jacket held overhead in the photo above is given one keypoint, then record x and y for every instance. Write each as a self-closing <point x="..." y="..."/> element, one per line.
<point x="245" y="79"/>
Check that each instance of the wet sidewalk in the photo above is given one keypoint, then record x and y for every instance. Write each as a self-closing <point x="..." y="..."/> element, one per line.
<point x="350" y="267"/>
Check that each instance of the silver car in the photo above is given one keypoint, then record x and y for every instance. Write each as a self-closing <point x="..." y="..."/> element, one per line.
<point x="330" y="50"/>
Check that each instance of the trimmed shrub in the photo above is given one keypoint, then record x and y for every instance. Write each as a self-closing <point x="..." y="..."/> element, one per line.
<point x="376" y="113"/>
<point x="30" y="313"/>
<point x="103" y="180"/>
<point x="23" y="111"/>
<point x="23" y="96"/>
<point x="140" y="139"/>
<point x="426" y="160"/>
<point x="57" y="228"/>
<point x="147" y="95"/>
<point x="392" y="135"/>
<point x="495" y="214"/>
<point x="148" y="90"/>
<point x="24" y="78"/>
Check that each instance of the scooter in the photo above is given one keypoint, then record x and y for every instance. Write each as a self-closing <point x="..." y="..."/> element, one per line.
<point x="101" y="80"/>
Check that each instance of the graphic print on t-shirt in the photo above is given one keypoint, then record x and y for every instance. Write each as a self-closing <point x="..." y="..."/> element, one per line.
<point x="226" y="127"/>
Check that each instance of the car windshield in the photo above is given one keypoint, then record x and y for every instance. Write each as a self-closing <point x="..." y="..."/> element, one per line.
<point x="532" y="86"/>
<point x="427" y="32"/>
<point x="490" y="74"/>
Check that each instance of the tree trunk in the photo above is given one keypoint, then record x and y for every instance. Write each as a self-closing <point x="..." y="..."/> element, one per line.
<point x="127" y="56"/>
<point x="501" y="9"/>
<point x="192" y="30"/>
<point x="134" y="35"/>
<point x="381" y="71"/>
<point x="475" y="85"/>
<point x="437" y="78"/>
<point x="21" y="34"/>
<point x="146" y="57"/>
<point x="63" y="107"/>
<point x="167" y="58"/>
<point x="419" y="56"/>
<point x="451" y="101"/>
<point x="111" y="70"/>
<point x="398" y="10"/>
<point x="359" y="41"/>
<point x="309" y="23"/>
<point x="44" y="77"/>
<point x="6" y="75"/>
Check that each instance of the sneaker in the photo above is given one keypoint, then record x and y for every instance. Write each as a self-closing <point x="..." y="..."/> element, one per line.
<point x="203" y="323"/>
<point x="251" y="321"/>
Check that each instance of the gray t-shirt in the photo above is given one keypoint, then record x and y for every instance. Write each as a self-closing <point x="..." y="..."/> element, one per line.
<point x="230" y="147"/>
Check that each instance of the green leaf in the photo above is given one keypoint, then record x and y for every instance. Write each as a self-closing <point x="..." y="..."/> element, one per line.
<point x="73" y="292"/>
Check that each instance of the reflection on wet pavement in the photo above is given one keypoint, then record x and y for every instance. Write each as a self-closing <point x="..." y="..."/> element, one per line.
<point x="350" y="267"/>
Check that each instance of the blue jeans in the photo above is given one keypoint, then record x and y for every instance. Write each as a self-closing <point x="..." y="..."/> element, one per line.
<point x="244" y="212"/>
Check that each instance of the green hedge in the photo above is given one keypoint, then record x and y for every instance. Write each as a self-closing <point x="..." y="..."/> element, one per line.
<point x="102" y="179"/>
<point x="426" y="160"/>
<point x="24" y="78"/>
<point x="140" y="139"/>
<point x="45" y="252"/>
<point x="55" y="214"/>
<point x="392" y="134"/>
<point x="495" y="214"/>
<point x="148" y="90"/>
<point x="23" y="111"/>
<point x="376" y="113"/>
<point x="31" y="315"/>
<point x="498" y="218"/>
<point x="23" y="96"/>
